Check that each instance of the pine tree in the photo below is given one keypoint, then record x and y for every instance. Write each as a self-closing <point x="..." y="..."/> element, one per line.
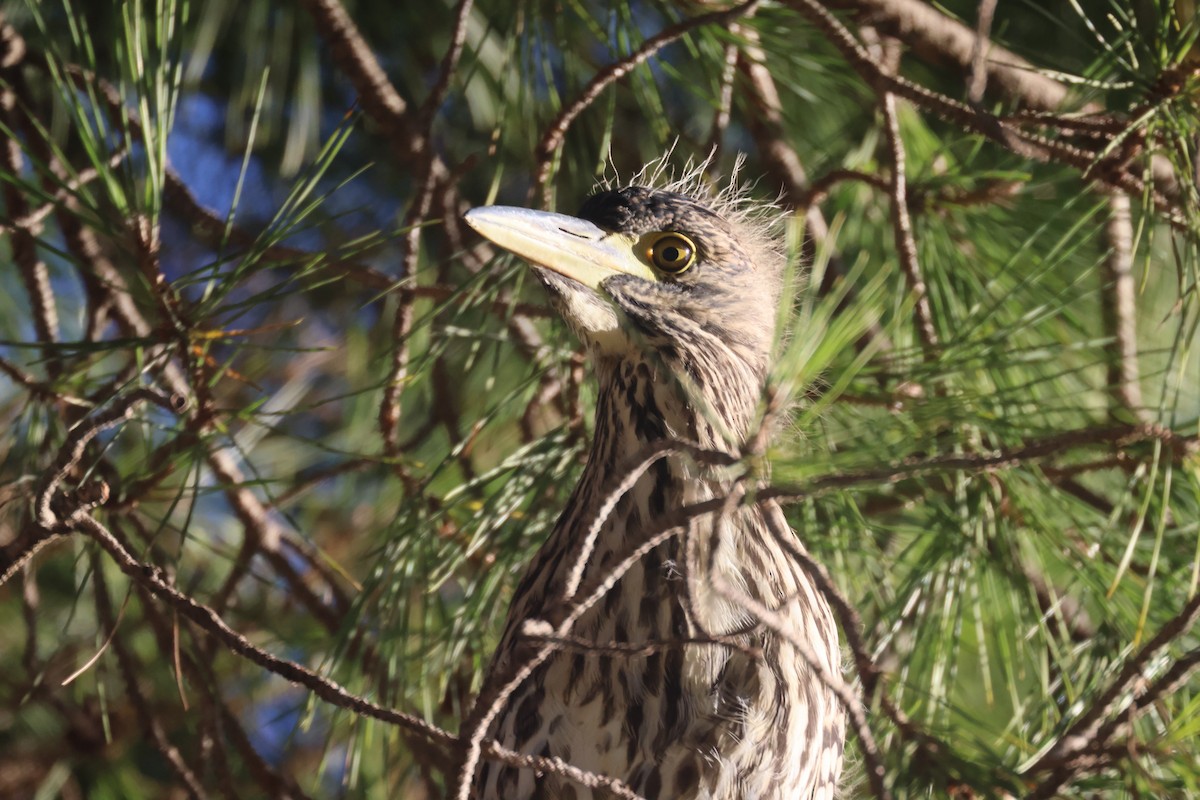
<point x="279" y="432"/>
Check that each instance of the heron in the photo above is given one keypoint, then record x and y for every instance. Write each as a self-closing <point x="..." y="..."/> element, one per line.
<point x="663" y="683"/>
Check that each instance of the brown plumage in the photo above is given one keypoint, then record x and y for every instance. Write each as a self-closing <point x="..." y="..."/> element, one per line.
<point x="676" y="303"/>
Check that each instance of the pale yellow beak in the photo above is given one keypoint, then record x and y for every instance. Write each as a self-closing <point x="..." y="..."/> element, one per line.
<point x="567" y="245"/>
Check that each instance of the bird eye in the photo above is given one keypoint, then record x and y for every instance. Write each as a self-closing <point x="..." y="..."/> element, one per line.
<point x="672" y="253"/>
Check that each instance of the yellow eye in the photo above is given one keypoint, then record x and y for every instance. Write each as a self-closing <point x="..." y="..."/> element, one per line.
<point x="672" y="253"/>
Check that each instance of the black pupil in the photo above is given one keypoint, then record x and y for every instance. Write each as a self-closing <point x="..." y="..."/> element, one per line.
<point x="671" y="254"/>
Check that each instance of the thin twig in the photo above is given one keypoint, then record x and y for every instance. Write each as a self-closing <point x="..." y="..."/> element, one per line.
<point x="977" y="78"/>
<point x="458" y="37"/>
<point x="15" y="556"/>
<point x="353" y="55"/>
<point x="30" y="603"/>
<point x="557" y="129"/>
<point x="63" y="195"/>
<point x="121" y="410"/>
<point x="902" y="230"/>
<point x="725" y="99"/>
<point x="23" y="237"/>
<point x="1178" y="445"/>
<point x="39" y="388"/>
<point x="820" y="188"/>
<point x="939" y="38"/>
<point x="1119" y="299"/>
<point x="261" y="530"/>
<point x="767" y="128"/>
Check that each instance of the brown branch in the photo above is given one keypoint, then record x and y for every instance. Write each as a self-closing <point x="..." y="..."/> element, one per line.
<point x="23" y="237"/>
<point x="672" y="525"/>
<point x="937" y="37"/>
<point x="427" y="180"/>
<point x="902" y="230"/>
<point x="552" y="388"/>
<point x="549" y="390"/>
<point x="556" y="766"/>
<point x="932" y="749"/>
<point x="1119" y="302"/>
<point x="39" y="388"/>
<point x="275" y="783"/>
<point x="819" y="189"/>
<point x="920" y="197"/>
<point x="986" y="192"/>
<point x="353" y="55"/>
<point x="1107" y="169"/>
<point x="1178" y="445"/>
<point x="376" y="93"/>
<point x="308" y="480"/>
<point x="69" y="454"/>
<point x="458" y="36"/>
<point x="446" y="412"/>
<point x="15" y="555"/>
<point x="213" y="747"/>
<point x="724" y="100"/>
<point x="211" y="229"/>
<point x="389" y="406"/>
<point x="1174" y="677"/>
<point x="472" y="257"/>
<point x="263" y="534"/>
<point x="434" y="179"/>
<point x="63" y="195"/>
<point x="30" y="603"/>
<point x="1121" y="724"/>
<point x="977" y="82"/>
<point x="1060" y="611"/>
<point x="767" y="127"/>
<point x="978" y="76"/>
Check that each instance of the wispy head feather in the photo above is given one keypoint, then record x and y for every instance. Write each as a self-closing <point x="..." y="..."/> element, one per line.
<point x="757" y="224"/>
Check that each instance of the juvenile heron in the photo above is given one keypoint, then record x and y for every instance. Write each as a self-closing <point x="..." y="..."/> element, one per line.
<point x="674" y="294"/>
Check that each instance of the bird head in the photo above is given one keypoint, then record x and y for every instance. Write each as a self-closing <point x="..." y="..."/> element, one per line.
<point x="641" y="269"/>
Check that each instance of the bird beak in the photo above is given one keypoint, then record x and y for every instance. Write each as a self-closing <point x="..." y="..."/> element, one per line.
<point x="567" y="245"/>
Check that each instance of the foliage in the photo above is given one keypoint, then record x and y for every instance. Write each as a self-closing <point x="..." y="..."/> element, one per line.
<point x="363" y="419"/>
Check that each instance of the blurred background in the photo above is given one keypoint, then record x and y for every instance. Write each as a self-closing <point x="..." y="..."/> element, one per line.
<point x="991" y="369"/>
